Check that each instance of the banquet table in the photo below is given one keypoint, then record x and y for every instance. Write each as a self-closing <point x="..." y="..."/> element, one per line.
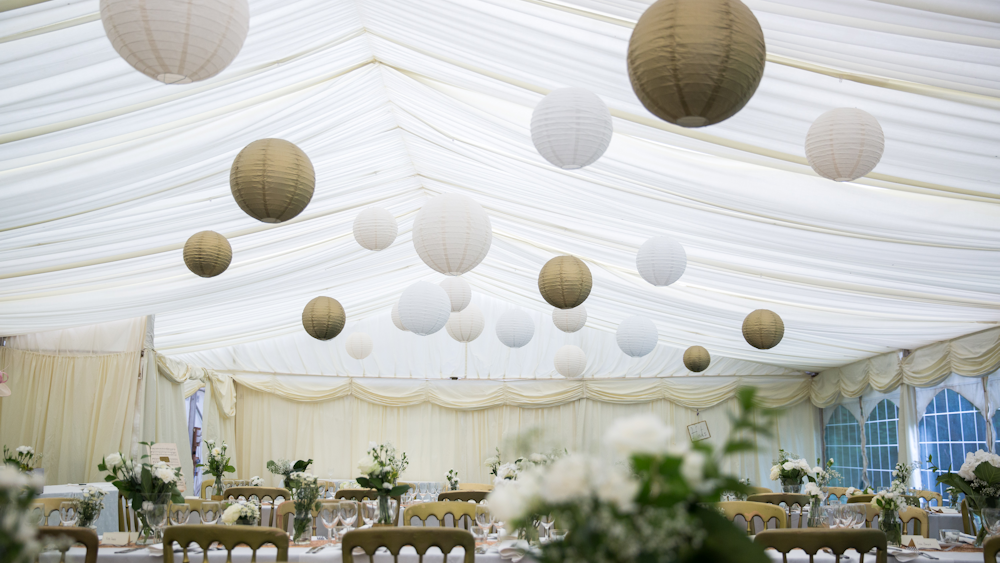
<point x="107" y="522"/>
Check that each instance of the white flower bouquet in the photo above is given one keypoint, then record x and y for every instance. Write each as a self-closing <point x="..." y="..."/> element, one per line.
<point x="380" y="469"/>
<point x="822" y="475"/>
<point x="18" y="533"/>
<point x="90" y="506"/>
<point x="243" y="513"/>
<point x="506" y="472"/>
<point x="979" y="479"/>
<point x="142" y="482"/>
<point x="285" y="468"/>
<point x="305" y="487"/>
<point x="494" y="462"/>
<point x="218" y="462"/>
<point x="789" y="470"/>
<point x="23" y="458"/>
<point x="889" y="503"/>
<point x="453" y="480"/>
<point x="851" y="491"/>
<point x="256" y="481"/>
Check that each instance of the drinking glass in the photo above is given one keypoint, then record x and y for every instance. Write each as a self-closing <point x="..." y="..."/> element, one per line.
<point x="179" y="514"/>
<point x="328" y="515"/>
<point x="991" y="519"/>
<point x="340" y="530"/>
<point x="559" y="535"/>
<point x="949" y="536"/>
<point x="348" y="513"/>
<point x="857" y="514"/>
<point x="483" y="518"/>
<point x="210" y="512"/>
<point x="479" y="533"/>
<point x="68" y="513"/>
<point x="547" y="521"/>
<point x="369" y="510"/>
<point x="156" y="517"/>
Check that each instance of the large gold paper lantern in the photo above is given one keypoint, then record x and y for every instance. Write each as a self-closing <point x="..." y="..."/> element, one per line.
<point x="323" y="318"/>
<point x="207" y="254"/>
<point x="272" y="180"/>
<point x="565" y="282"/>
<point x="763" y="329"/>
<point x="697" y="359"/>
<point x="696" y="62"/>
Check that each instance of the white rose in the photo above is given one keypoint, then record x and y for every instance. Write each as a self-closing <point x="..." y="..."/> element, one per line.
<point x="165" y="474"/>
<point x="536" y="458"/>
<point x="11" y="478"/>
<point x="387" y="486"/>
<point x="812" y="489"/>
<point x="113" y="461"/>
<point x="567" y="479"/>
<point x="491" y="460"/>
<point x="788" y="466"/>
<point x="232" y="514"/>
<point x="775" y="472"/>
<point x="640" y="434"/>
<point x="617" y="488"/>
<point x="25" y="450"/>
<point x="817" y="471"/>
<point x="367" y="465"/>
<point x="216" y="451"/>
<point x="693" y="468"/>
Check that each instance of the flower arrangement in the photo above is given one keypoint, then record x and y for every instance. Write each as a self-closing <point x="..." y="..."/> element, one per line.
<point x="453" y="480"/>
<point x="789" y="470"/>
<point x="655" y="511"/>
<point x="380" y="469"/>
<point x="23" y="458"/>
<point x="901" y="474"/>
<point x="979" y="479"/>
<point x="506" y="472"/>
<point x="495" y="462"/>
<point x="218" y="462"/>
<point x="888" y="504"/>
<point x="851" y="491"/>
<point x="306" y="499"/>
<point x="243" y="513"/>
<point x="18" y="533"/>
<point x="142" y="482"/>
<point x="285" y="468"/>
<point x="256" y="481"/>
<point x="90" y="506"/>
<point x="822" y="475"/>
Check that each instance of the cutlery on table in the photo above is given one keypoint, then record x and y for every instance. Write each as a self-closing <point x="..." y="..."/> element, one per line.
<point x="130" y="550"/>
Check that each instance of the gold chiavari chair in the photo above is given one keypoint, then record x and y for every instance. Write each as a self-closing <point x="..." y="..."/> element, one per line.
<point x="458" y="511"/>
<point x="86" y="536"/>
<point x="748" y="510"/>
<point x="463" y="496"/>
<point x="394" y="539"/>
<point x="262" y="493"/>
<point x="227" y="536"/>
<point x="812" y="540"/>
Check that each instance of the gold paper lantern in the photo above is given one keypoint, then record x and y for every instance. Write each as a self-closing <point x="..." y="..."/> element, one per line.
<point x="696" y="359"/>
<point x="565" y="282"/>
<point x="207" y="254"/>
<point x="272" y="180"/>
<point x="323" y="318"/>
<point x="763" y="329"/>
<point x="696" y="62"/>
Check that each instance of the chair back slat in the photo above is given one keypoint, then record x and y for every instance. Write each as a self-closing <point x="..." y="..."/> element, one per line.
<point x="272" y="493"/>
<point x="228" y="536"/>
<point x="789" y="500"/>
<point x="463" y="496"/>
<point x="424" y="510"/>
<point x="812" y="540"/>
<point x="86" y="536"/>
<point x="919" y="517"/>
<point x="748" y="510"/>
<point x="421" y="539"/>
<point x="475" y="487"/>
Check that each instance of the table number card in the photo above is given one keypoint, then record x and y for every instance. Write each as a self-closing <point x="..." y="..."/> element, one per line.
<point x="921" y="542"/>
<point x="167" y="453"/>
<point x="699" y="431"/>
<point x="119" y="538"/>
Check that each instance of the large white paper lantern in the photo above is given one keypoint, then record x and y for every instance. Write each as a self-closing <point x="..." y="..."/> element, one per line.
<point x="177" y="41"/>
<point x="375" y="228"/>
<point x="661" y="260"/>
<point x="424" y="308"/>
<point x="571" y="128"/>
<point x="466" y="325"/>
<point x="358" y="345"/>
<point x="452" y="234"/>
<point x="570" y="361"/>
<point x="637" y="336"/>
<point x="515" y="328"/>
<point x="570" y="320"/>
<point x="459" y="292"/>
<point x="844" y="144"/>
<point x="395" y="317"/>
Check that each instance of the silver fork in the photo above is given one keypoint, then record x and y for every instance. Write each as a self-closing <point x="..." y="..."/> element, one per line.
<point x="913" y="549"/>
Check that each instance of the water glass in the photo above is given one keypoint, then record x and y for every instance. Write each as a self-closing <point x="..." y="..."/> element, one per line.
<point x="547" y="521"/>
<point x="991" y="519"/>
<point x="210" y="512"/>
<point x="857" y="514"/>
<point x="68" y="513"/>
<point x="949" y="536"/>
<point x="328" y="515"/>
<point x="340" y="530"/>
<point x="369" y="511"/>
<point x="483" y="518"/>
<point x="156" y="517"/>
<point x="348" y="513"/>
<point x="179" y="514"/>
<point x="479" y="533"/>
<point x="558" y="535"/>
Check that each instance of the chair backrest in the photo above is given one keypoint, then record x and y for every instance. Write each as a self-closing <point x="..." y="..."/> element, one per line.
<point x="968" y="521"/>
<point x="836" y="492"/>
<point x="929" y="496"/>
<point x="811" y="540"/>
<point x="760" y="490"/>
<point x="195" y="504"/>
<point x="326" y="487"/>
<point x="748" y="510"/>
<point x="463" y="496"/>
<point x="990" y="548"/>
<point x="394" y="539"/>
<point x="919" y="516"/>
<point x="272" y="493"/>
<point x="871" y="513"/>
<point x="287" y="509"/>
<point x="475" y="487"/>
<point x="860" y="498"/>
<point x="227" y="536"/>
<point x="356" y="494"/>
<point x="50" y="504"/>
<point x="439" y="509"/>
<point x="86" y="536"/>
<point x="789" y="500"/>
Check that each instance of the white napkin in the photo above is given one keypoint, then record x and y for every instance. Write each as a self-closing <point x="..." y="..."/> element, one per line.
<point x="156" y="549"/>
<point x="514" y="550"/>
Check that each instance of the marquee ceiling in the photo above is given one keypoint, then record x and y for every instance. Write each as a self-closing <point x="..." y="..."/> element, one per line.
<point x="104" y="173"/>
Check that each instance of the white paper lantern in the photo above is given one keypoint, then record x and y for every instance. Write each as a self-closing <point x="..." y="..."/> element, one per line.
<point x="424" y="308"/>
<point x="466" y="325"/>
<point x="661" y="260"/>
<point x="452" y="234"/>
<point x="375" y="228"/>
<point x="459" y="292"/>
<point x="844" y="144"/>
<point x="570" y="361"/>
<point x="570" y="320"/>
<point x="515" y="328"/>
<point x="395" y="317"/>
<point x="177" y="41"/>
<point x="358" y="345"/>
<point x="637" y="336"/>
<point x="571" y="128"/>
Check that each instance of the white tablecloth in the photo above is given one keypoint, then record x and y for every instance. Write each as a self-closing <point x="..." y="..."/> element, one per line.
<point x="107" y="522"/>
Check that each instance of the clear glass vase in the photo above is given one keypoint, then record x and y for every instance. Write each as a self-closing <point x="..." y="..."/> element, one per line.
<point x="90" y="521"/>
<point x="816" y="513"/>
<point x="889" y="523"/>
<point x="302" y="528"/>
<point x="793" y="487"/>
<point x="387" y="508"/>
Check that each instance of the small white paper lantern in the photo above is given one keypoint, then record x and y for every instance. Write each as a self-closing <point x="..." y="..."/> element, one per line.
<point x="515" y="328"/>
<point x="358" y="345"/>
<point x="375" y="228"/>
<point x="661" y="260"/>
<point x="570" y="320"/>
<point x="459" y="292"/>
<point x="177" y="41"/>
<point x="844" y="144"/>
<point x="466" y="325"/>
<point x="424" y="308"/>
<point x="570" y="361"/>
<point x="452" y="234"/>
<point x="395" y="317"/>
<point x="571" y="128"/>
<point x="637" y="336"/>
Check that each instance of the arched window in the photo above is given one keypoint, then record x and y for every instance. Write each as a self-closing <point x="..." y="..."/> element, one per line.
<point x="882" y="443"/>
<point x="951" y="427"/>
<point x="843" y="444"/>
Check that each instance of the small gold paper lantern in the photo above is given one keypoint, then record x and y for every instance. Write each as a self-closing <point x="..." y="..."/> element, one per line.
<point x="323" y="318"/>
<point x="272" y="180"/>
<point x="565" y="282"/>
<point x="696" y="62"/>
<point x="696" y="359"/>
<point x="207" y="254"/>
<point x="763" y="329"/>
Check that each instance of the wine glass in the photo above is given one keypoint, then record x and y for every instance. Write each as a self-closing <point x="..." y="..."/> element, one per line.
<point x="368" y="511"/>
<point x="328" y="515"/>
<point x="480" y="536"/>
<point x="68" y="513"/>
<point x="340" y="530"/>
<point x="210" y="512"/>
<point x="348" y="513"/>
<point x="547" y="521"/>
<point x="156" y="517"/>
<point x="179" y="514"/>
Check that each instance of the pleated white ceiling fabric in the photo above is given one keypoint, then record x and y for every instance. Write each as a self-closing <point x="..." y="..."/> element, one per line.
<point x="104" y="173"/>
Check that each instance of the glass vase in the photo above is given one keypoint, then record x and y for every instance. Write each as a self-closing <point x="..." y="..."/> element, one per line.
<point x="889" y="523"/>
<point x="386" y="511"/>
<point x="89" y="519"/>
<point x="816" y="513"/>
<point x="144" y="529"/>
<point x="791" y="486"/>
<point x="302" y="528"/>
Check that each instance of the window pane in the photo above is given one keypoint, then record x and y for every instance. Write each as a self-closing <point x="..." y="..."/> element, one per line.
<point x="843" y="444"/>
<point x="950" y="428"/>
<point x="881" y="443"/>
